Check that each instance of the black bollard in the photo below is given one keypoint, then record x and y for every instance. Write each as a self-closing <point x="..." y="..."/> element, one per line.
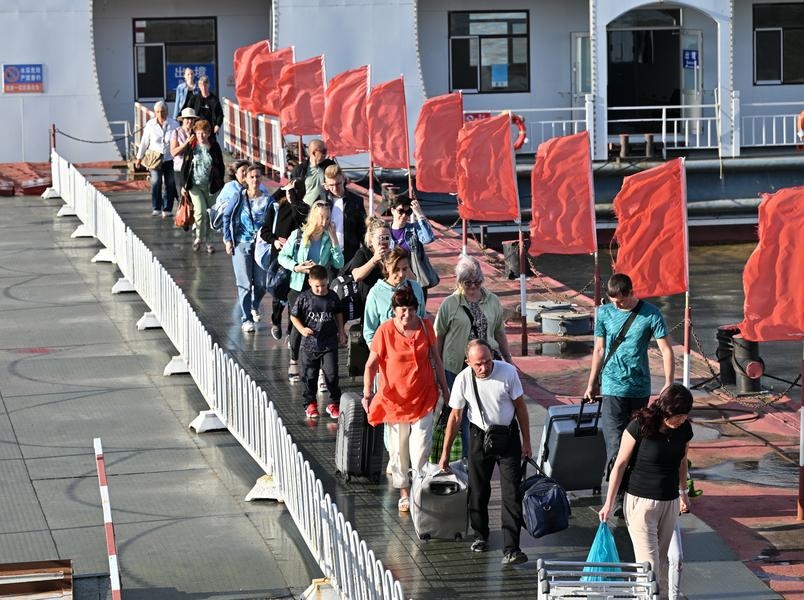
<point x="747" y="364"/>
<point x="725" y="349"/>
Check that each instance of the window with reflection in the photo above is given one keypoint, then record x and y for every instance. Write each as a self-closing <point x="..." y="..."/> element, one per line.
<point x="778" y="44"/>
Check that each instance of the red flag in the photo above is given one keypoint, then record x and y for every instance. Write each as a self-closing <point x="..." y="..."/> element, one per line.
<point x="485" y="165"/>
<point x="301" y="97"/>
<point x="242" y="71"/>
<point x="265" y="71"/>
<point x="345" y="125"/>
<point x="563" y="202"/>
<point x="772" y="278"/>
<point x="651" y="211"/>
<point x="435" y="143"/>
<point x="388" y="125"/>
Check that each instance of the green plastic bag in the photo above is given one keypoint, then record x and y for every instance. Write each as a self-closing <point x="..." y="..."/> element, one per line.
<point x="603" y="549"/>
<point x="439" y="430"/>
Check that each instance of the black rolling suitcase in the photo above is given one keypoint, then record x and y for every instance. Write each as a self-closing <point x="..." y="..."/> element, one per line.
<point x="358" y="445"/>
<point x="572" y="450"/>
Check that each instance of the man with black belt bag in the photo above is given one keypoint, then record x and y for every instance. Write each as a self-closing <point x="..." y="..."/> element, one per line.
<point x="497" y="414"/>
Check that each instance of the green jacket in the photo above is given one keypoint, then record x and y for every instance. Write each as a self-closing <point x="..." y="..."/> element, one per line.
<point x="330" y="255"/>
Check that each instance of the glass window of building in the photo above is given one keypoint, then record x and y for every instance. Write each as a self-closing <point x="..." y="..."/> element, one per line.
<point x="489" y="51"/>
<point x="163" y="48"/>
<point x="778" y="43"/>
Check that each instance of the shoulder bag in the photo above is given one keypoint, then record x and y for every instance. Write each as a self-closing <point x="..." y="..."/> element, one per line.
<point x="277" y="277"/>
<point x="545" y="507"/>
<point x="426" y="275"/>
<point x="152" y="160"/>
<point x="184" y="215"/>
<point x="496" y="437"/>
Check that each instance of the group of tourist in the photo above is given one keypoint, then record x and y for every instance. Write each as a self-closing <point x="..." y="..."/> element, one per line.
<point x="317" y="230"/>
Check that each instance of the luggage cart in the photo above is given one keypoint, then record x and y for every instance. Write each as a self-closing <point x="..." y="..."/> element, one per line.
<point x="565" y="579"/>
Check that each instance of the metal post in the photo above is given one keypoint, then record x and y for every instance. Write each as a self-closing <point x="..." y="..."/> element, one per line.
<point x="52" y="137"/>
<point x="800" y="510"/>
<point x="463" y="237"/>
<point x="687" y="325"/>
<point x="523" y="308"/>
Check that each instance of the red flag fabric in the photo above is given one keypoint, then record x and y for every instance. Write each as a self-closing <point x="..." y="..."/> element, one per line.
<point x="265" y="71"/>
<point x="345" y="125"/>
<point x="651" y="210"/>
<point x="242" y="71"/>
<point x="485" y="166"/>
<point x="563" y="205"/>
<point x="772" y="278"/>
<point x="435" y="143"/>
<point x="388" y="125"/>
<point x="301" y="97"/>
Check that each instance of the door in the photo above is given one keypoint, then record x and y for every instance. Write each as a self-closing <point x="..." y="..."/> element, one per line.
<point x="149" y="65"/>
<point x="581" y="69"/>
<point x="691" y="79"/>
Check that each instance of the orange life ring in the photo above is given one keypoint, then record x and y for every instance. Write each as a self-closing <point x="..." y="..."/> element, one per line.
<point x="519" y="122"/>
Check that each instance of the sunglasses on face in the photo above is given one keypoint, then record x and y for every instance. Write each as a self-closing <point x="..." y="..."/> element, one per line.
<point x="472" y="283"/>
<point x="405" y="208"/>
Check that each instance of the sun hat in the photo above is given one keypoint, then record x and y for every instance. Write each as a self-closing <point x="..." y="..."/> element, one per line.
<point x="188" y="113"/>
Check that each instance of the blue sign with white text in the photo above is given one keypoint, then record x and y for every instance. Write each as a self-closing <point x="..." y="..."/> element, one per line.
<point x="174" y="74"/>
<point x="21" y="79"/>
<point x="690" y="59"/>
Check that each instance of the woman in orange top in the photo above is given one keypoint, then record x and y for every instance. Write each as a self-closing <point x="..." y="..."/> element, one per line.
<point x="402" y="350"/>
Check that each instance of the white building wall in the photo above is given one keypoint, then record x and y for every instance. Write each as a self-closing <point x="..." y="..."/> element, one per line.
<point x="57" y="34"/>
<point x="239" y="23"/>
<point x="552" y="23"/>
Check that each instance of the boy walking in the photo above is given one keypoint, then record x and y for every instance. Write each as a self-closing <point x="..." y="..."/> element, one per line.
<point x="316" y="315"/>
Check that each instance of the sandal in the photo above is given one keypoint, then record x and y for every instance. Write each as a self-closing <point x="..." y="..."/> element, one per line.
<point x="196" y="245"/>
<point x="210" y="249"/>
<point x="404" y="504"/>
<point x="293" y="372"/>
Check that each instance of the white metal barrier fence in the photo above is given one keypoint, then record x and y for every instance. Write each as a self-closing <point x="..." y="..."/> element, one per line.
<point x="237" y="401"/>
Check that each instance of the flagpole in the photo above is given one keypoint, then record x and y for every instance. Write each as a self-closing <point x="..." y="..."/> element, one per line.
<point x="411" y="190"/>
<point x="800" y="510"/>
<point x="597" y="279"/>
<point x="687" y="324"/>
<point x="463" y="237"/>
<point x="523" y="308"/>
<point x="687" y="308"/>
<point x="371" y="161"/>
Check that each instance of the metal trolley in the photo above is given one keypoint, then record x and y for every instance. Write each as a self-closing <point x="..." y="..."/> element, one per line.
<point x="567" y="579"/>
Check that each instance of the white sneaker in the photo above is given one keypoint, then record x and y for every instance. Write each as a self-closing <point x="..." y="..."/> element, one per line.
<point x="255" y="315"/>
<point x="247" y="327"/>
<point x="322" y="383"/>
<point x="154" y="213"/>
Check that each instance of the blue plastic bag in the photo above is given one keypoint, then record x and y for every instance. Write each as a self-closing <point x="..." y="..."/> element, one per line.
<point x="603" y="549"/>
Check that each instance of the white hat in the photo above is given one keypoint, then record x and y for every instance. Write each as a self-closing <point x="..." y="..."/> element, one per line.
<point x="187" y="113"/>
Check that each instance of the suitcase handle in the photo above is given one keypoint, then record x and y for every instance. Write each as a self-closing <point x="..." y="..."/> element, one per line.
<point x="443" y="484"/>
<point x="588" y="430"/>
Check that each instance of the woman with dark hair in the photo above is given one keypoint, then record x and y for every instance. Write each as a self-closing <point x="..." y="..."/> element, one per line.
<point x="410" y="229"/>
<point x="403" y="351"/>
<point x="654" y="446"/>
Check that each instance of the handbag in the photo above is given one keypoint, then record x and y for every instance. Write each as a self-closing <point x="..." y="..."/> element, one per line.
<point x="603" y="550"/>
<point x="545" y="507"/>
<point x="426" y="275"/>
<point x="348" y="290"/>
<point x="152" y="160"/>
<point x="439" y="432"/>
<point x="184" y="215"/>
<point x="496" y="438"/>
<point x="277" y="277"/>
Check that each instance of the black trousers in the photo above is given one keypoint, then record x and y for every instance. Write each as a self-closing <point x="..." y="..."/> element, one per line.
<point x="481" y="468"/>
<point x="326" y="361"/>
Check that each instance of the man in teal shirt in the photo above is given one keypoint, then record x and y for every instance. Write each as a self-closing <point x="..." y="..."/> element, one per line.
<point x="625" y="380"/>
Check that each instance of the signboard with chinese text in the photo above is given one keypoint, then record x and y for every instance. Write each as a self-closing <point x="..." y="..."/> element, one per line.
<point x="23" y="79"/>
<point x="174" y="74"/>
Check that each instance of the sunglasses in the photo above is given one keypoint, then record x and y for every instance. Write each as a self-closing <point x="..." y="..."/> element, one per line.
<point x="472" y="283"/>
<point x="405" y="208"/>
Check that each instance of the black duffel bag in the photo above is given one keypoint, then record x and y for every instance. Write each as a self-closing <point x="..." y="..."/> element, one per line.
<point x="545" y="507"/>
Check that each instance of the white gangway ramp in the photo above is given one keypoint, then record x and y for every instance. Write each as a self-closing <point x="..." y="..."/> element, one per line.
<point x="108" y="526"/>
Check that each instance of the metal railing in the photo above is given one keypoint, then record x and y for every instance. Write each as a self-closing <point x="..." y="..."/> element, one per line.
<point x="142" y="114"/>
<point x="239" y="402"/>
<point x="257" y="138"/>
<point x="768" y="128"/>
<point x="541" y="124"/>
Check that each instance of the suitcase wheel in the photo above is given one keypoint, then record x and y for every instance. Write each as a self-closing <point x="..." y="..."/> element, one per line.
<point x="425" y="537"/>
<point x="596" y="491"/>
<point x="458" y="537"/>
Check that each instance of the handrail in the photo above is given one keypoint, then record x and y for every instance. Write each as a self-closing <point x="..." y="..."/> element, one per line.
<point x="239" y="402"/>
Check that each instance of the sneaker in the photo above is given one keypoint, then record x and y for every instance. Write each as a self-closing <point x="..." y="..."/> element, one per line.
<point x="333" y="410"/>
<point x="311" y="411"/>
<point x="479" y="546"/>
<point x="293" y="372"/>
<point x="515" y="557"/>
<point x="154" y="213"/>
<point x="165" y="214"/>
<point x="211" y="250"/>
<point x="255" y="315"/>
<point x="322" y="383"/>
<point x="276" y="332"/>
<point x="247" y="327"/>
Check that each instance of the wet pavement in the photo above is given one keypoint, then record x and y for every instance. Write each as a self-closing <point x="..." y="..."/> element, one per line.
<point x="714" y="565"/>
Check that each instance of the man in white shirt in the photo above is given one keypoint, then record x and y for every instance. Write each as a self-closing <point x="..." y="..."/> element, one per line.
<point x="348" y="211"/>
<point x="155" y="142"/>
<point x="492" y="391"/>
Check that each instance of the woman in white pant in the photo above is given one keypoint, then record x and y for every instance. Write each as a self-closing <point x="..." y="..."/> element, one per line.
<point x="655" y="446"/>
<point x="403" y="352"/>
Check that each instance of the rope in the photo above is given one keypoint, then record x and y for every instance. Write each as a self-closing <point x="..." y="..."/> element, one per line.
<point x="114" y="140"/>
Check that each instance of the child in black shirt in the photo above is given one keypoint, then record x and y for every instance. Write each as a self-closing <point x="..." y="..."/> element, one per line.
<point x="317" y="317"/>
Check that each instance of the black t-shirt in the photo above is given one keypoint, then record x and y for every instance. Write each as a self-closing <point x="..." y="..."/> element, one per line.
<point x="318" y="313"/>
<point x="361" y="257"/>
<point x="655" y="472"/>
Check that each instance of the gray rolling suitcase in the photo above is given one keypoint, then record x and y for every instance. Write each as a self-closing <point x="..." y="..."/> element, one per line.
<point x="439" y="503"/>
<point x="358" y="445"/>
<point x="572" y="450"/>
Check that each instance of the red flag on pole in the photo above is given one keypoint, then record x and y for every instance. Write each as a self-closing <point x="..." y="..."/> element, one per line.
<point x="485" y="166"/>
<point x="563" y="205"/>
<point x="388" y="125"/>
<point x="651" y="211"/>
<point x="772" y="278"/>
<point x="242" y="70"/>
<point x="301" y="97"/>
<point x="435" y="143"/>
<point x="265" y="71"/>
<point x="345" y="127"/>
